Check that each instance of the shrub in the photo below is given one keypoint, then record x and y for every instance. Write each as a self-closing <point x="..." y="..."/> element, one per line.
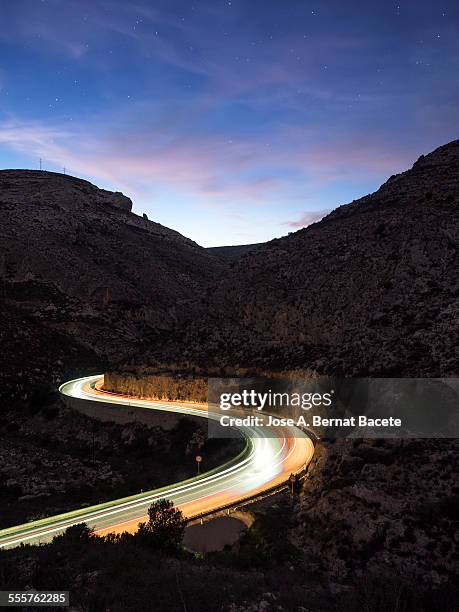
<point x="164" y="528"/>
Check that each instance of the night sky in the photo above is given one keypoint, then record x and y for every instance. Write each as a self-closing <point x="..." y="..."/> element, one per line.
<point x="232" y="122"/>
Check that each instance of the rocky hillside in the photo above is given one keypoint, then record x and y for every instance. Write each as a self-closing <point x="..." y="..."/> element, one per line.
<point x="380" y="508"/>
<point x="84" y="281"/>
<point x="231" y="253"/>
<point x="371" y="289"/>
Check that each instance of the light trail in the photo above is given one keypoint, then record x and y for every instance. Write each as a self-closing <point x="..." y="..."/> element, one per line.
<point x="266" y="462"/>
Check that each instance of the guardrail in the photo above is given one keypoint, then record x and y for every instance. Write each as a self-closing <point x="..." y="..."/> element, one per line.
<point x="250" y="499"/>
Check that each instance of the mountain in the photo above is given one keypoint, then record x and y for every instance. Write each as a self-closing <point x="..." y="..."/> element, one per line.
<point x="83" y="280"/>
<point x="371" y="289"/>
<point x="230" y="253"/>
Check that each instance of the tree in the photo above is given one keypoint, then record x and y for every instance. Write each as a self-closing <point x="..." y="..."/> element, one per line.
<point x="165" y="527"/>
<point x="76" y="534"/>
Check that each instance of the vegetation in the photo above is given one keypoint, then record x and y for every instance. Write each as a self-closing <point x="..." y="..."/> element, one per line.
<point x="161" y="387"/>
<point x="183" y="382"/>
<point x="150" y="570"/>
<point x="164" y="528"/>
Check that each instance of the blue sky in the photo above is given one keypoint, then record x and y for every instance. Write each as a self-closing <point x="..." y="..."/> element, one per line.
<point x="232" y="122"/>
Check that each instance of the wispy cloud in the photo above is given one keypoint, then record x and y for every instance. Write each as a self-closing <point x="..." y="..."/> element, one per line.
<point x="207" y="168"/>
<point x="307" y="218"/>
<point x="197" y="168"/>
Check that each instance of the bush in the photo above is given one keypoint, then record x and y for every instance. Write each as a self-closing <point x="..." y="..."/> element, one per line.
<point x="380" y="594"/>
<point x="165" y="527"/>
<point x="76" y="534"/>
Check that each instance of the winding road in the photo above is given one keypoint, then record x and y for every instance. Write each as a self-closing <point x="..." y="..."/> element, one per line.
<point x="266" y="462"/>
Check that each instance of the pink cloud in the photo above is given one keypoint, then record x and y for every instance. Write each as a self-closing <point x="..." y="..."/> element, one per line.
<point x="308" y="217"/>
<point x="200" y="168"/>
<point x="209" y="169"/>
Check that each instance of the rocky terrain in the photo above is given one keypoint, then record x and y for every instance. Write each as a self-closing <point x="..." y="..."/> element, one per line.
<point x="372" y="289"/>
<point x="84" y="281"/>
<point x="380" y="508"/>
<point x="231" y="253"/>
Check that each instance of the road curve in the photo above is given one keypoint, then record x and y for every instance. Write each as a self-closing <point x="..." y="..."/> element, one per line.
<point x="266" y="462"/>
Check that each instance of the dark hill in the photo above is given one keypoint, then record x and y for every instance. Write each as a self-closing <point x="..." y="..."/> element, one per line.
<point x="230" y="253"/>
<point x="370" y="289"/>
<point x="80" y="275"/>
